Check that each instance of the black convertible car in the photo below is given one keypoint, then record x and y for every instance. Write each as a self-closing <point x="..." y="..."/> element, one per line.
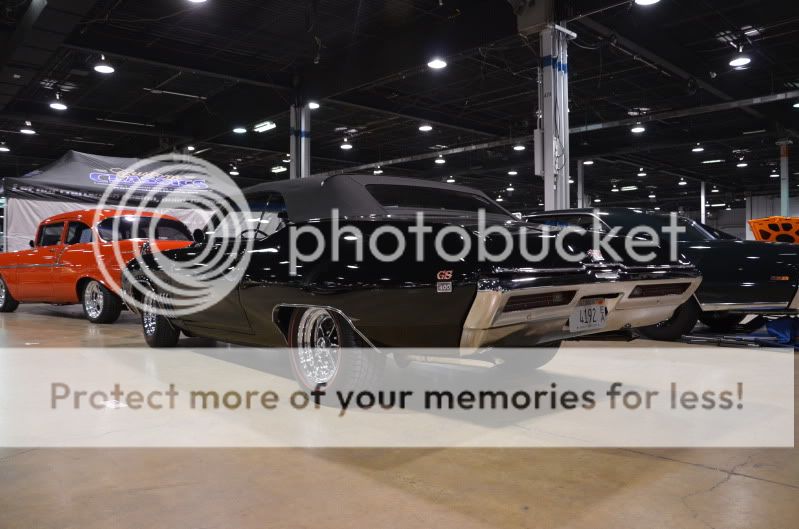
<point x="739" y="277"/>
<point x="434" y="302"/>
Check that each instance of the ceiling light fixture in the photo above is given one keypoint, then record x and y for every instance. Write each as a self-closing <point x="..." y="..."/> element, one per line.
<point x="425" y="128"/>
<point x="264" y="126"/>
<point x="440" y="159"/>
<point x="313" y="105"/>
<point x="450" y="180"/>
<point x="629" y="188"/>
<point x="57" y="104"/>
<point x="718" y="205"/>
<point x="279" y="169"/>
<point x="597" y="201"/>
<point x="499" y="199"/>
<point x="742" y="164"/>
<point x="714" y="190"/>
<point x="104" y="67"/>
<point x="638" y="129"/>
<point x="698" y="148"/>
<point x="588" y="162"/>
<point x="234" y="171"/>
<point x="27" y="129"/>
<point x="4" y="148"/>
<point x="437" y="63"/>
<point x="646" y="2"/>
<point x="713" y="161"/>
<point x="346" y="145"/>
<point x="652" y="195"/>
<point x="519" y="147"/>
<point x="615" y="188"/>
<point x="796" y="105"/>
<point x="641" y="172"/>
<point x="510" y="188"/>
<point x="740" y="61"/>
<point x="774" y="175"/>
<point x="512" y="173"/>
<point x="240" y="130"/>
<point x="682" y="182"/>
<point x="197" y="1"/>
<point x="571" y="180"/>
<point x="377" y="171"/>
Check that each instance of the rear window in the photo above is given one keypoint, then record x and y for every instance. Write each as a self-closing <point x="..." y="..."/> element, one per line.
<point x="139" y="228"/>
<point x="429" y="198"/>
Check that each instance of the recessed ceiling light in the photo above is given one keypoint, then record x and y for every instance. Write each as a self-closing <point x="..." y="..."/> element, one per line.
<point x="440" y="159"/>
<point x="346" y="145"/>
<point x="588" y="162"/>
<point x="510" y="188"/>
<point x="774" y="175"/>
<point x="27" y="129"/>
<point x="512" y="173"/>
<point x="450" y="180"/>
<point x="652" y="195"/>
<point x="240" y="130"/>
<point x="740" y="61"/>
<point x="646" y="2"/>
<point x="682" y="182"/>
<point x="437" y="63"/>
<point x="519" y="147"/>
<point x="313" y="105"/>
<point x="715" y="189"/>
<point x="657" y="208"/>
<point x="4" y="148"/>
<point x="571" y="180"/>
<point x="425" y="128"/>
<point x="191" y="148"/>
<point x="197" y="1"/>
<point x="638" y="129"/>
<point x="713" y="161"/>
<point x="629" y="188"/>
<point x="104" y="67"/>
<point x="377" y="171"/>
<point x="796" y="105"/>
<point x="615" y="188"/>
<point x="499" y="199"/>
<point x="234" y="171"/>
<point x="641" y="173"/>
<point x="279" y="169"/>
<point x="742" y="164"/>
<point x="698" y="148"/>
<point x="597" y="201"/>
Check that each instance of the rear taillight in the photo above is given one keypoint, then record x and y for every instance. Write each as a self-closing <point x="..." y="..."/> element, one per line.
<point x="653" y="291"/>
<point x="537" y="301"/>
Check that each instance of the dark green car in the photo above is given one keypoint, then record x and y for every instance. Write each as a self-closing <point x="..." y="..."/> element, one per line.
<point x="739" y="277"/>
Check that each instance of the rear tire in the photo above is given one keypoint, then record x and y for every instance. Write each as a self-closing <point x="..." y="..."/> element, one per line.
<point x="721" y="321"/>
<point x="681" y="323"/>
<point x="7" y="302"/>
<point x="100" y="305"/>
<point x="326" y="350"/>
<point x="158" y="330"/>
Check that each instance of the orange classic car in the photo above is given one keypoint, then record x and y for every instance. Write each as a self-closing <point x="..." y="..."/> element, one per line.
<point x="61" y="266"/>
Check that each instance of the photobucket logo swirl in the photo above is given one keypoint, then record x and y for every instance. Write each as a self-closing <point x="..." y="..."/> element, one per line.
<point x="175" y="186"/>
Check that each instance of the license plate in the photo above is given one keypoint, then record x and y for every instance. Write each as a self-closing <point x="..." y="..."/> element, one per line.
<point x="587" y="315"/>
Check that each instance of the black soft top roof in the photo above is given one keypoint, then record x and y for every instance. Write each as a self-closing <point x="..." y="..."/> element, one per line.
<point x="315" y="197"/>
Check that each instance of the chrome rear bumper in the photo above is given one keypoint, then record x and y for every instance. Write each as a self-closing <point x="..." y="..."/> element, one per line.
<point x="490" y="324"/>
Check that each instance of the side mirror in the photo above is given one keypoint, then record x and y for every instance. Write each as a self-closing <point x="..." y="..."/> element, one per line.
<point x="198" y="235"/>
<point x="30" y="243"/>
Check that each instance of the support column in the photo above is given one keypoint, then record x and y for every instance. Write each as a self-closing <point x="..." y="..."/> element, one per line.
<point x="785" y="181"/>
<point x="554" y="115"/>
<point x="703" y="203"/>
<point x="580" y="184"/>
<point x="300" y="141"/>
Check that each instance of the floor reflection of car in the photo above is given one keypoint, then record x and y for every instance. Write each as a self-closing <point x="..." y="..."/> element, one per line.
<point x="61" y="266"/>
<point x="418" y="299"/>
<point x="739" y="277"/>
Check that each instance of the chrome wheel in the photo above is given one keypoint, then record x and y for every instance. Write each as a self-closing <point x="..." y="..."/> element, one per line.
<point x="149" y="318"/>
<point x="2" y="292"/>
<point x="93" y="299"/>
<point x="318" y="351"/>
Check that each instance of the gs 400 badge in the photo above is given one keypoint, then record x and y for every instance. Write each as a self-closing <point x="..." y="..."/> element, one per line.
<point x="444" y="287"/>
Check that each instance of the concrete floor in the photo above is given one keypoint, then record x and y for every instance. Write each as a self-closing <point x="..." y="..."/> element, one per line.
<point x="463" y="488"/>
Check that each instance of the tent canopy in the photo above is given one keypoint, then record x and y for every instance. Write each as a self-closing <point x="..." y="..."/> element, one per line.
<point x="81" y="177"/>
